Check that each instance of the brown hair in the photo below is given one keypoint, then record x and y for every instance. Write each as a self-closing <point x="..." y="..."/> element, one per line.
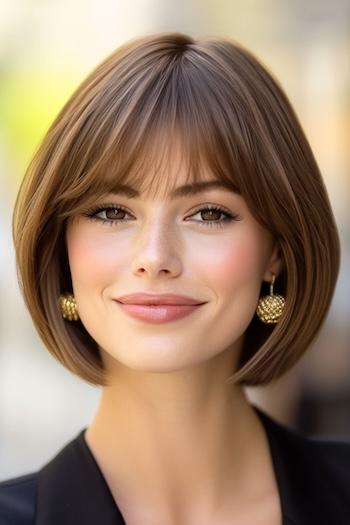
<point x="233" y="117"/>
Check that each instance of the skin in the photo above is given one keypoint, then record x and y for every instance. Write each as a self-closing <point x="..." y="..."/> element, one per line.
<point x="176" y="443"/>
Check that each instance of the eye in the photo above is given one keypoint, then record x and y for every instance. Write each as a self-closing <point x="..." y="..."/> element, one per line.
<point x="112" y="214"/>
<point x="212" y="215"/>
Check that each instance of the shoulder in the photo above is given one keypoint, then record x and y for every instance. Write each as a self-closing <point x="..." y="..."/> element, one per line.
<point x="331" y="455"/>
<point x="320" y="452"/>
<point x="316" y="452"/>
<point x="26" y="499"/>
<point x="17" y="499"/>
<point x="313" y="474"/>
<point x="323" y="465"/>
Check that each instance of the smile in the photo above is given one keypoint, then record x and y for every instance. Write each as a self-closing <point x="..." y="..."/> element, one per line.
<point x="161" y="313"/>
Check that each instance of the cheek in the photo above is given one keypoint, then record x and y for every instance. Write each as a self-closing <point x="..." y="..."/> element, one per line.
<point x="92" y="259"/>
<point x="232" y="261"/>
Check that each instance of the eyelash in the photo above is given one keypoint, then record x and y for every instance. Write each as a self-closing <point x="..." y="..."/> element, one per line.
<point x="92" y="212"/>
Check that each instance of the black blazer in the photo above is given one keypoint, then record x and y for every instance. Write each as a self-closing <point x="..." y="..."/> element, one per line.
<point x="312" y="473"/>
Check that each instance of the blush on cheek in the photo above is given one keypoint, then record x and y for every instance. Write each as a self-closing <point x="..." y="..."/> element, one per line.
<point x="233" y="263"/>
<point x="91" y="259"/>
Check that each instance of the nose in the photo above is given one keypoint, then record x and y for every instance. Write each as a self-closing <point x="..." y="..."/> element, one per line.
<point x="157" y="251"/>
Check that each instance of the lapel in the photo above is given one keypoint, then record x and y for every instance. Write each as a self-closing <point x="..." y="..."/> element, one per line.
<point x="72" y="489"/>
<point x="308" y="494"/>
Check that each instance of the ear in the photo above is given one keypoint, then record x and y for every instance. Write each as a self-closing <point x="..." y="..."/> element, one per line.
<point x="275" y="263"/>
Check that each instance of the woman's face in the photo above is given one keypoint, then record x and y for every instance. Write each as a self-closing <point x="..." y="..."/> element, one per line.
<point x="176" y="245"/>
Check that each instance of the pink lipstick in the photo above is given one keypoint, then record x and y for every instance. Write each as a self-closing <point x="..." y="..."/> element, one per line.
<point x="158" y="308"/>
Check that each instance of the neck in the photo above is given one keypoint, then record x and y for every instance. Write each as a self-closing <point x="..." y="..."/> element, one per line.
<point x="177" y="440"/>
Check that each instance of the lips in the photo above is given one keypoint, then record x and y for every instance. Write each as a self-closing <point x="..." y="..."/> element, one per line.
<point x="158" y="299"/>
<point x="160" y="313"/>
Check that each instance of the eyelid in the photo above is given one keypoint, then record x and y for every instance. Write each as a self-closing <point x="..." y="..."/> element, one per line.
<point x="212" y="205"/>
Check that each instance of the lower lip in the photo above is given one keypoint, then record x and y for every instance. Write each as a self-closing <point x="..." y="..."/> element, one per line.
<point x="159" y="313"/>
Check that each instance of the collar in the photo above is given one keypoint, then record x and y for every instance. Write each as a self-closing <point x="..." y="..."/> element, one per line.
<point x="72" y="489"/>
<point x="310" y="489"/>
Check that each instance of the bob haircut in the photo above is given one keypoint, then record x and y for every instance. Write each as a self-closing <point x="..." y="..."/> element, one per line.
<point x="233" y="118"/>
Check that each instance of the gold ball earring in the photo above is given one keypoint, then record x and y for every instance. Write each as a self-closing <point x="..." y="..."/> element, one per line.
<point x="270" y="307"/>
<point x="68" y="307"/>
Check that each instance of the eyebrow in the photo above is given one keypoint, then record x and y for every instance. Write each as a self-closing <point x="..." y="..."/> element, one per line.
<point x="180" y="191"/>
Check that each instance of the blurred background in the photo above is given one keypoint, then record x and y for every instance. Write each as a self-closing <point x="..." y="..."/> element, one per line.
<point x="46" y="49"/>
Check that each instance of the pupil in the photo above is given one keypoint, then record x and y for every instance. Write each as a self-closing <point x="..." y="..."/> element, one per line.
<point x="113" y="212"/>
<point x="211" y="212"/>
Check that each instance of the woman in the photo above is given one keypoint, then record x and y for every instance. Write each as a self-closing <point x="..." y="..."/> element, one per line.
<point x="175" y="243"/>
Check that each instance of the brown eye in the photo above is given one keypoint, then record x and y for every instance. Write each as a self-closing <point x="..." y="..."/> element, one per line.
<point x="108" y="214"/>
<point x="214" y="216"/>
<point x="211" y="214"/>
<point x="114" y="213"/>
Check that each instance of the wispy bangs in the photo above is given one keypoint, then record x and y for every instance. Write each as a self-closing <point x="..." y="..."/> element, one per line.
<point x="180" y="123"/>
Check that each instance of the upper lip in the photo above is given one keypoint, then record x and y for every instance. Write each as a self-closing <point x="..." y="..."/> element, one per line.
<point x="156" y="299"/>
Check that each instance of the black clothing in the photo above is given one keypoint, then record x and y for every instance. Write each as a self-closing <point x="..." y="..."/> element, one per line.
<point x="312" y="474"/>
